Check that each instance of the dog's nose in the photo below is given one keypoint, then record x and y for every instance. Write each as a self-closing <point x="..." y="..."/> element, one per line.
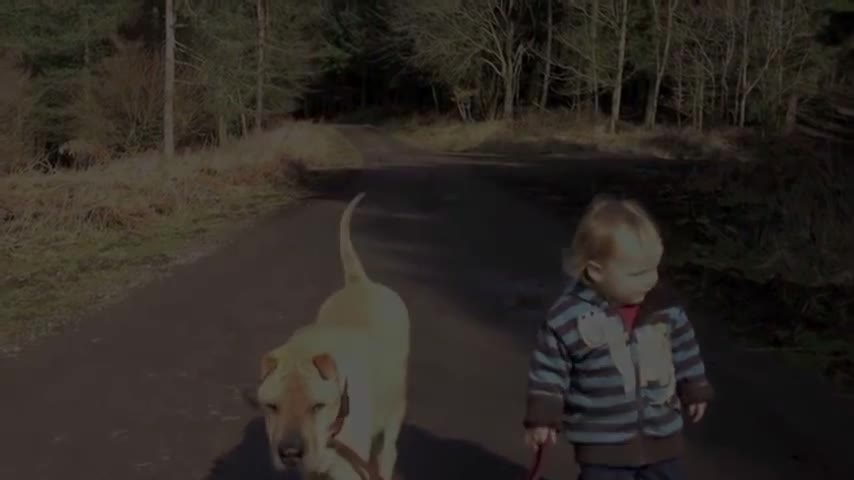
<point x="291" y="449"/>
<point x="291" y="454"/>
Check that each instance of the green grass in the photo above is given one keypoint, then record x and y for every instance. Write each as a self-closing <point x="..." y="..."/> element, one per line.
<point x="73" y="241"/>
<point x="47" y="286"/>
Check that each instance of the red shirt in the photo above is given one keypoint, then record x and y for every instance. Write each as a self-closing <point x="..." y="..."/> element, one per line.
<point x="629" y="313"/>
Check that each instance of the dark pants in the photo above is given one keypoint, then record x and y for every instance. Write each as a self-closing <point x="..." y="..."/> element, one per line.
<point x="666" y="470"/>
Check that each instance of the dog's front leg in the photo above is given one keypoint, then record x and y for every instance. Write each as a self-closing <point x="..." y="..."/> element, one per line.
<point x="387" y="454"/>
<point x="343" y="470"/>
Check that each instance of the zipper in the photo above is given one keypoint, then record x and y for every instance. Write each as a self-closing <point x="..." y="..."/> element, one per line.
<point x="643" y="312"/>
<point x="638" y="394"/>
<point x="633" y="348"/>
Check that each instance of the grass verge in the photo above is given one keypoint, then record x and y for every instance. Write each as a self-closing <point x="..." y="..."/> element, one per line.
<point x="555" y="132"/>
<point x="70" y="240"/>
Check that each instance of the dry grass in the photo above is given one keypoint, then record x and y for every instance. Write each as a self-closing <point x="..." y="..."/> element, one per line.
<point x="71" y="238"/>
<point x="445" y="135"/>
<point x="448" y="135"/>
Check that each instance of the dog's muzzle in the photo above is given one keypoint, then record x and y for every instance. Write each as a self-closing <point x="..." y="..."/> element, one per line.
<point x="291" y="450"/>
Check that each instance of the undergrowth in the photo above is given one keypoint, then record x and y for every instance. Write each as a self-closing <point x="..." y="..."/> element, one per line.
<point x="759" y="229"/>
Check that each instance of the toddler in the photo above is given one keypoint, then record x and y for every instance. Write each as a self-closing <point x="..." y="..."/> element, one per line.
<point x="616" y="360"/>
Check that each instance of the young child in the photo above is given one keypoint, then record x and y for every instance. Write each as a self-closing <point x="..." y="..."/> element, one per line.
<point x="616" y="360"/>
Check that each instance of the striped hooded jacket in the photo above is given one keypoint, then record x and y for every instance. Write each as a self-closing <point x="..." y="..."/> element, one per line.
<point x="616" y="395"/>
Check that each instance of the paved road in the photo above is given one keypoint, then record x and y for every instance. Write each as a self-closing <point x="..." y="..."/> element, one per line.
<point x="151" y="388"/>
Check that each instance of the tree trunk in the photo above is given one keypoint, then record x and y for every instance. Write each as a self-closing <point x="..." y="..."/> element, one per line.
<point x="791" y="114"/>
<point x="363" y="100"/>
<point x="651" y="103"/>
<point x="679" y="94"/>
<point x="544" y="98"/>
<point x="745" y="63"/>
<point x="695" y="89"/>
<point x="508" y="73"/>
<point x="435" y="98"/>
<point x="535" y="85"/>
<point x="460" y="101"/>
<point x="222" y="130"/>
<point x="594" y="67"/>
<point x="652" y="111"/>
<point x="621" y="58"/>
<point x="701" y="97"/>
<point x="729" y="54"/>
<point x="661" y="59"/>
<point x="261" y="10"/>
<point x="169" y="83"/>
<point x="781" y="59"/>
<point x="509" y="93"/>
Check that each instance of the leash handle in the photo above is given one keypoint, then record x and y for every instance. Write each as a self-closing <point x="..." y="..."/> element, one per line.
<point x="537" y="465"/>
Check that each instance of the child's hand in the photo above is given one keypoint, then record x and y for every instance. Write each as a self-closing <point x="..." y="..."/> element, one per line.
<point x="538" y="436"/>
<point x="696" y="411"/>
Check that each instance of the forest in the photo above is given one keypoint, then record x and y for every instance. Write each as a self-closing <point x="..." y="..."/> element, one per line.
<point x="91" y="74"/>
<point x="132" y="122"/>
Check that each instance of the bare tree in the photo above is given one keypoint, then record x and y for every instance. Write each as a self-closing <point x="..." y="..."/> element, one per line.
<point x="756" y="56"/>
<point x="261" y="10"/>
<point x="588" y="39"/>
<point x="255" y="56"/>
<point x="623" y="15"/>
<point x="730" y="27"/>
<point x="661" y="35"/>
<point x="594" y="57"/>
<point x="169" y="83"/>
<point x="544" y="98"/>
<point x="455" y="40"/>
<point x="799" y="65"/>
<point x="703" y="34"/>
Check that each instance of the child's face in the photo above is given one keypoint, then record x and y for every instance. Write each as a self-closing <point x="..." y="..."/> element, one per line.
<point x="631" y="272"/>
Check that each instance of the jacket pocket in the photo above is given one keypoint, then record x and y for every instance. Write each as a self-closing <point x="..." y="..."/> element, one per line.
<point x="655" y="360"/>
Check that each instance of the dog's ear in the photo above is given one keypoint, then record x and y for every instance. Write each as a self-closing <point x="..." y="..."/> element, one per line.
<point x="325" y="364"/>
<point x="268" y="364"/>
<point x="250" y="397"/>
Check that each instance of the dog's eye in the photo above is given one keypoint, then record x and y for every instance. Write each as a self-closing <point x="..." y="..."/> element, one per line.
<point x="317" y="407"/>
<point x="272" y="407"/>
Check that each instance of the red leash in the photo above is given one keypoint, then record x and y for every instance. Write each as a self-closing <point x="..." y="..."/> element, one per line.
<point x="537" y="465"/>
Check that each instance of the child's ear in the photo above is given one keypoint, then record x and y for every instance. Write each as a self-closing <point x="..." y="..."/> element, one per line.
<point x="594" y="271"/>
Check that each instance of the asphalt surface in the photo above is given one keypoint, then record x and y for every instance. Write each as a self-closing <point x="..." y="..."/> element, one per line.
<point x="153" y="387"/>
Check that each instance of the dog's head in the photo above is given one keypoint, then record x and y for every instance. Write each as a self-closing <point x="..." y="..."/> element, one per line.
<point x="305" y="402"/>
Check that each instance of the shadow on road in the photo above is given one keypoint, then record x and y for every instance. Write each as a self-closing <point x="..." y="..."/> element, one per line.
<point x="248" y="460"/>
<point x="511" y="253"/>
<point x="423" y="456"/>
<point x="503" y="221"/>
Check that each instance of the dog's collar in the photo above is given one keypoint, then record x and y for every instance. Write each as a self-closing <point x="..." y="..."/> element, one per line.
<point x="343" y="412"/>
<point x="365" y="470"/>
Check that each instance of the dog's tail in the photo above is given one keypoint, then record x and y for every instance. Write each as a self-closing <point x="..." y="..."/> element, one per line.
<point x="353" y="269"/>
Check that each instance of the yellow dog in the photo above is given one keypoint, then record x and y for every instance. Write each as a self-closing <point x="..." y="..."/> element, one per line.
<point x="339" y="384"/>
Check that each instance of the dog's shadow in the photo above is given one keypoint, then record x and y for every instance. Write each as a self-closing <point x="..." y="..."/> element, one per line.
<point x="422" y="456"/>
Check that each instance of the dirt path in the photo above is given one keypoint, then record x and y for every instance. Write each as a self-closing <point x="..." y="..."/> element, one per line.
<point x="151" y="388"/>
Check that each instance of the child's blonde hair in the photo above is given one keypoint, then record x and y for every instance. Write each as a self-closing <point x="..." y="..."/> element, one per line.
<point x="595" y="235"/>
